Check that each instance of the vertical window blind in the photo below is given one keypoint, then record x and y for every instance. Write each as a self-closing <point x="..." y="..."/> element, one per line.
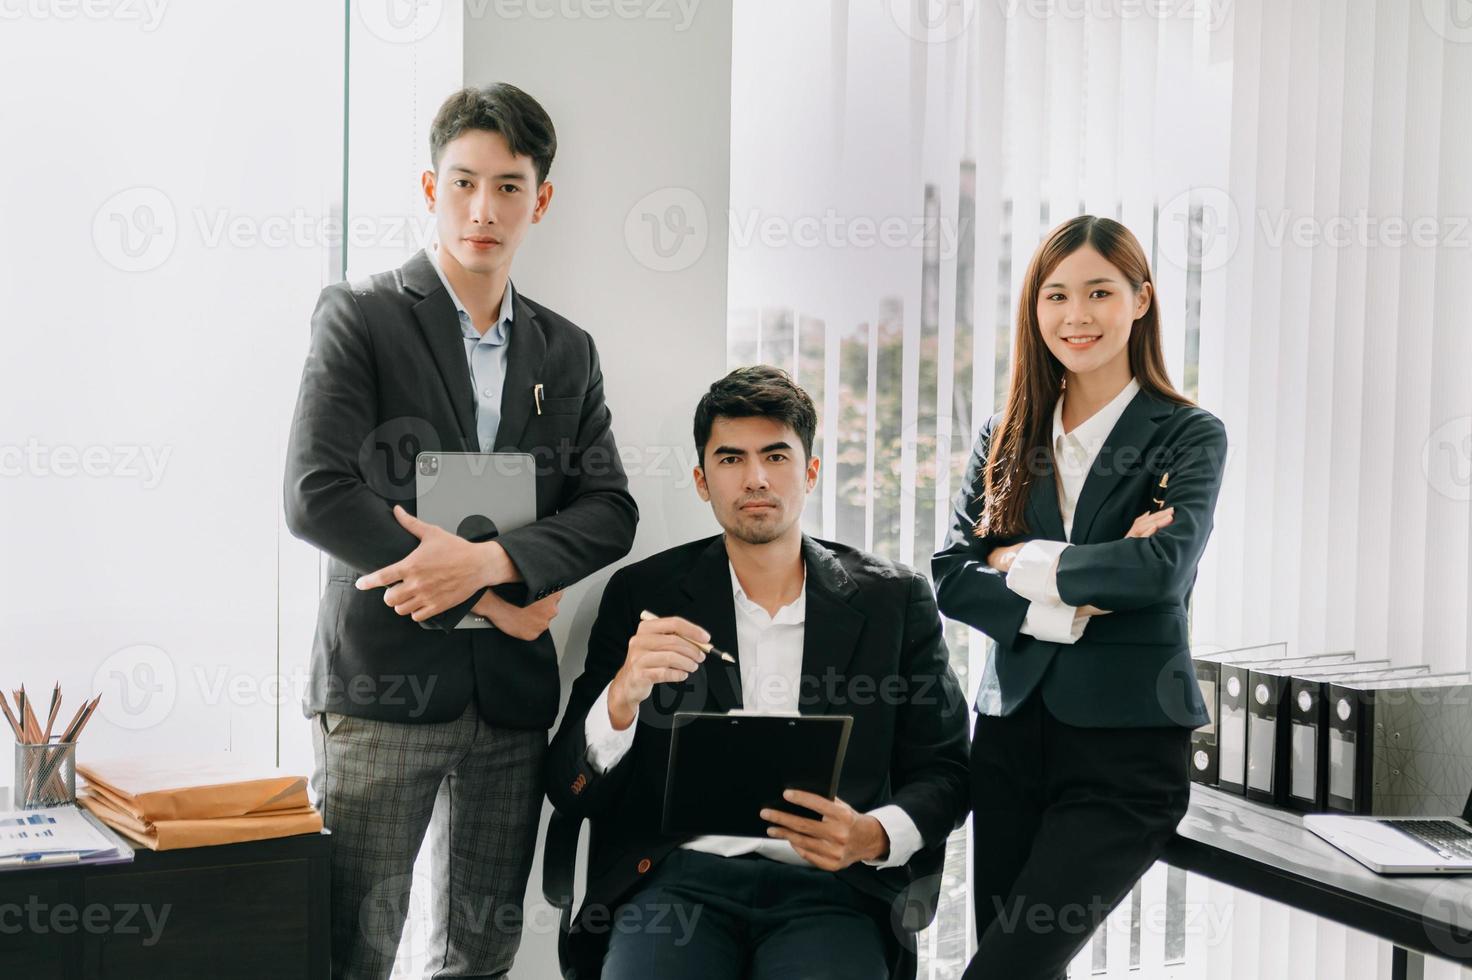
<point x="1297" y="174"/>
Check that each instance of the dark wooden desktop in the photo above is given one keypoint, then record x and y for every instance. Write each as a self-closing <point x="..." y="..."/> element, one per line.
<point x="1267" y="851"/>
<point x="250" y="910"/>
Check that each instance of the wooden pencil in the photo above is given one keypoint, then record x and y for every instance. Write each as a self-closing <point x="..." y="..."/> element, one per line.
<point x="85" y="718"/>
<point x="51" y="715"/>
<point x="66" y="733"/>
<point x="10" y="717"/>
<point x="28" y="717"/>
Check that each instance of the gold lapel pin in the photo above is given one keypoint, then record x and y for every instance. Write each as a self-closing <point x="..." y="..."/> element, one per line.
<point x="1160" y="500"/>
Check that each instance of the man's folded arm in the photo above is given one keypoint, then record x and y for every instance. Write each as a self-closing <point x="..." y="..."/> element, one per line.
<point x="327" y="501"/>
<point x="595" y="519"/>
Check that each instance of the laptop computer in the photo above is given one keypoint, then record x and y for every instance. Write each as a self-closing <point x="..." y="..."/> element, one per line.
<point x="1401" y="845"/>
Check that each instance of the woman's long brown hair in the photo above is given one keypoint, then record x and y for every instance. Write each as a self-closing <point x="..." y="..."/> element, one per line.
<point x="1023" y="436"/>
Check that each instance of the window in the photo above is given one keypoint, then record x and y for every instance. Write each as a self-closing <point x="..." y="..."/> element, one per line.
<point x="879" y="188"/>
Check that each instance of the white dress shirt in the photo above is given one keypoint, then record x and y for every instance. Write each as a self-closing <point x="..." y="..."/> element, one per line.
<point x="769" y="653"/>
<point x="1034" y="572"/>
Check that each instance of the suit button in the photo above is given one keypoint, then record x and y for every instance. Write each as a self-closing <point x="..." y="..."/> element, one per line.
<point x="643" y="865"/>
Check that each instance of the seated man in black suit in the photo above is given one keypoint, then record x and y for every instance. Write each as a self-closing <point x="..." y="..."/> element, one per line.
<point x="816" y="627"/>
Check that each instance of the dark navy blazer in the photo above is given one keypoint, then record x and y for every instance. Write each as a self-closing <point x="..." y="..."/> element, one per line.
<point x="1132" y="667"/>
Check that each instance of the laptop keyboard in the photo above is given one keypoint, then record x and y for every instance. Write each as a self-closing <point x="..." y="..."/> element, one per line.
<point x="1439" y="835"/>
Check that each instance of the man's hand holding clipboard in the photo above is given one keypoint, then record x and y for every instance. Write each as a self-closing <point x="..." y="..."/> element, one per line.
<point x="839" y="838"/>
<point x="731" y="774"/>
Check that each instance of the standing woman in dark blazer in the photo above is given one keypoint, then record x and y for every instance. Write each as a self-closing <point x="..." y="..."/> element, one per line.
<point x="1083" y="513"/>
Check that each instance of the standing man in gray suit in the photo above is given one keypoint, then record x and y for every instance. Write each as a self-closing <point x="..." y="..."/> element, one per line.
<point x="419" y="726"/>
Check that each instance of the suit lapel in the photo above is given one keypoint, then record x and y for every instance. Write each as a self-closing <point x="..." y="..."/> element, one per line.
<point x="830" y="632"/>
<point x="440" y="325"/>
<point x="1042" y="500"/>
<point x="710" y="605"/>
<point x="523" y="372"/>
<point x="831" y="626"/>
<point x="1134" y="430"/>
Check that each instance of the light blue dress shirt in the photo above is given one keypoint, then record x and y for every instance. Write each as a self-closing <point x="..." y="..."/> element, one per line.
<point x="486" y="355"/>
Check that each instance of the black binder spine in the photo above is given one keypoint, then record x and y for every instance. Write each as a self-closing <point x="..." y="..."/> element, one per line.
<point x="1349" y="750"/>
<point x="1267" y="738"/>
<point x="1308" y="716"/>
<point x="1203" y="739"/>
<point x="1232" y="730"/>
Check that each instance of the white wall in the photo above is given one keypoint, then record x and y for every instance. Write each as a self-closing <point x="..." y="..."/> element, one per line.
<point x="164" y="169"/>
<point x="641" y="106"/>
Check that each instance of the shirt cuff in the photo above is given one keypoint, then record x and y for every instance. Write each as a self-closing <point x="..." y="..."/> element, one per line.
<point x="904" y="836"/>
<point x="606" y="745"/>
<point x="1034" y="572"/>
<point x="1057" y="623"/>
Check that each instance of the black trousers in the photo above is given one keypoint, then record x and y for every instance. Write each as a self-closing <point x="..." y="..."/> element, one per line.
<point x="1066" y="820"/>
<point x="705" y="917"/>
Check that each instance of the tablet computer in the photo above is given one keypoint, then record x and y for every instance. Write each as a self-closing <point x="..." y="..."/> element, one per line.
<point x="725" y="768"/>
<point x="477" y="496"/>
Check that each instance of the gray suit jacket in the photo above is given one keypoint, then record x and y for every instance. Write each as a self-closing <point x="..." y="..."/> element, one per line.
<point x="386" y="378"/>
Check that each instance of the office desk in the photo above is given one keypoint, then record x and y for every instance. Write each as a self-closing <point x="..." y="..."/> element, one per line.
<point x="252" y="910"/>
<point x="1264" y="850"/>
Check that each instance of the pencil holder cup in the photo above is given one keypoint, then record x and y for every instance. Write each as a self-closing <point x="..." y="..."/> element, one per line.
<point x="45" y="774"/>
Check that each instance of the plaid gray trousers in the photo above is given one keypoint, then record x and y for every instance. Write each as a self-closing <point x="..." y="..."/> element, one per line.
<point x="476" y="788"/>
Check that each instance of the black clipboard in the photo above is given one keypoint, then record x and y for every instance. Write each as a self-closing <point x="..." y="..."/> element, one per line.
<point x="725" y="768"/>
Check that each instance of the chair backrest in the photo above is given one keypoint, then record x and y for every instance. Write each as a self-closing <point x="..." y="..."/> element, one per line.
<point x="559" y="868"/>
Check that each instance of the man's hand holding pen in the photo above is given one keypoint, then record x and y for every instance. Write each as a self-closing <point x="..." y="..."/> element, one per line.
<point x="665" y="650"/>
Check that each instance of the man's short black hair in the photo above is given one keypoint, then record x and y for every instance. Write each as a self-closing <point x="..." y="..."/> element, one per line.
<point x="760" y="391"/>
<point x="499" y="108"/>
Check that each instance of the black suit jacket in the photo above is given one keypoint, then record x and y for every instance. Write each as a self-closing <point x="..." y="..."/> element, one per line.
<point x="1131" y="668"/>
<point x="868" y="621"/>
<point x="386" y="378"/>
